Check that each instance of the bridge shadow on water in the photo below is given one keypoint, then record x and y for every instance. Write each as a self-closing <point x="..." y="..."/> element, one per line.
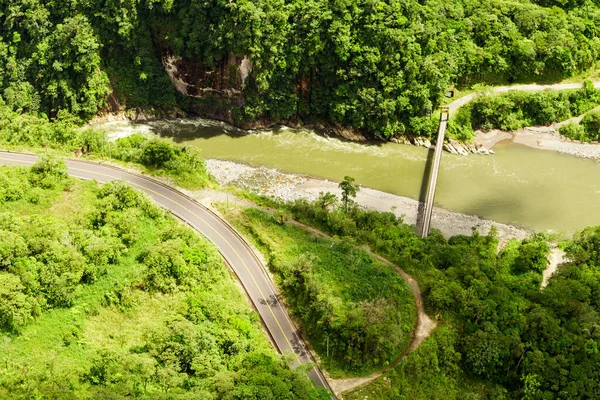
<point x="423" y="190"/>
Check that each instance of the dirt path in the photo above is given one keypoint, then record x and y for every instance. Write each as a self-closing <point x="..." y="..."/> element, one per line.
<point x="425" y="325"/>
<point x="557" y="257"/>
<point x="574" y="120"/>
<point x="456" y="104"/>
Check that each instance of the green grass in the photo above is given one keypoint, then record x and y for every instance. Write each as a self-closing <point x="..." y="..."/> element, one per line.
<point x="42" y="342"/>
<point x="51" y="355"/>
<point x="344" y="279"/>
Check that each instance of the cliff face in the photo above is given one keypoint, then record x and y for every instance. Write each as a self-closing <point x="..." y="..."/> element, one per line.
<point x="217" y="92"/>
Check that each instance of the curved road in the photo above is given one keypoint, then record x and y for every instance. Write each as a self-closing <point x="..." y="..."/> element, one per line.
<point x="456" y="104"/>
<point x="232" y="247"/>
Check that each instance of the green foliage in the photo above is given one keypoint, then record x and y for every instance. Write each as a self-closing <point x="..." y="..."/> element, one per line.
<point x="52" y="62"/>
<point x="532" y="254"/>
<point x="48" y="172"/>
<point x="183" y="164"/>
<point x="84" y="319"/>
<point x="348" y="191"/>
<point x="357" y="312"/>
<point x="160" y="157"/>
<point x="460" y="126"/>
<point x="591" y="125"/>
<point x="585" y="247"/>
<point x="573" y="131"/>
<point x="157" y="153"/>
<point x="432" y="371"/>
<point x="516" y="110"/>
<point x="13" y="185"/>
<point x="16" y="307"/>
<point x="380" y="68"/>
<point x="511" y="339"/>
<point x="587" y="130"/>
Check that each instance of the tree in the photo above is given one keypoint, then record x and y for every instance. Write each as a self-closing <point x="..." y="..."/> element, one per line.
<point x="348" y="190"/>
<point x="157" y="153"/>
<point x="591" y="125"/>
<point x="326" y="200"/>
<point x="48" y="172"/>
<point x="15" y="306"/>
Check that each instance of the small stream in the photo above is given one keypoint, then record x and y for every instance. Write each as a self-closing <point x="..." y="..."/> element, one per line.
<point x="535" y="189"/>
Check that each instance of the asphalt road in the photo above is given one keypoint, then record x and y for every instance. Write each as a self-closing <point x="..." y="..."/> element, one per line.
<point x="232" y="247"/>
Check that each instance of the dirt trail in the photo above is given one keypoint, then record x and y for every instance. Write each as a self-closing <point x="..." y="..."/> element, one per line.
<point x="574" y="120"/>
<point x="456" y="104"/>
<point x="425" y="325"/>
<point x="557" y="257"/>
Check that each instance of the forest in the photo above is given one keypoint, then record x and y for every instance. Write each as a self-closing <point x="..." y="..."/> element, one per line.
<point x="499" y="335"/>
<point x="379" y="67"/>
<point x="104" y="295"/>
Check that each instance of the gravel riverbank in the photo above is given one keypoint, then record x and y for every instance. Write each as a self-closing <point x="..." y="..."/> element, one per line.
<point x="289" y="187"/>
<point x="541" y="138"/>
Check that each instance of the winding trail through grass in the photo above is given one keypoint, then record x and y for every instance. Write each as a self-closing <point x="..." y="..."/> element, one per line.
<point x="425" y="325"/>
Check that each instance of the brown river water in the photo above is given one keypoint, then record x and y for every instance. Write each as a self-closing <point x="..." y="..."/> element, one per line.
<point x="534" y="189"/>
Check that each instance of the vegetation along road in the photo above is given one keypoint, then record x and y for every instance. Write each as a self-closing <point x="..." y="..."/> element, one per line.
<point x="458" y="103"/>
<point x="232" y="247"/>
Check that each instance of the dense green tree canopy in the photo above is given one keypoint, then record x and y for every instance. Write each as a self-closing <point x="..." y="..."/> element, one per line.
<point x="499" y="335"/>
<point x="377" y="66"/>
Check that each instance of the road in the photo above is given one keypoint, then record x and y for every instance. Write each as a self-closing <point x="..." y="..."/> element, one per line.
<point x="232" y="247"/>
<point x="434" y="174"/>
<point x="456" y="104"/>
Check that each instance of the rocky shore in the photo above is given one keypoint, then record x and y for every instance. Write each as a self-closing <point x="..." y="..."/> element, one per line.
<point x="451" y="146"/>
<point x="289" y="187"/>
<point x="541" y="138"/>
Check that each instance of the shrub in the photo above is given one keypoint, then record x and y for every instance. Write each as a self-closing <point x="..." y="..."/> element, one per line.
<point x="591" y="125"/>
<point x="16" y="307"/>
<point x="12" y="246"/>
<point x="573" y="131"/>
<point x="515" y="110"/>
<point x="157" y="153"/>
<point x="48" y="172"/>
<point x="93" y="141"/>
<point x="533" y="254"/>
<point x="13" y="186"/>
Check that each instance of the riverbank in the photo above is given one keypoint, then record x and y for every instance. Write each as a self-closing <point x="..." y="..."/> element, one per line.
<point x="541" y="138"/>
<point x="289" y="187"/>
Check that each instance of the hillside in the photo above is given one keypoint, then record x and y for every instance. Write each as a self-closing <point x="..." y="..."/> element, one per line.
<point x="104" y="295"/>
<point x="377" y="67"/>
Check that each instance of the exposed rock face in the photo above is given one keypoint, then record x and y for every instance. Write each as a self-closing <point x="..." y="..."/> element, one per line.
<point x="219" y="89"/>
<point x="220" y="92"/>
<point x="192" y="78"/>
<point x="245" y="68"/>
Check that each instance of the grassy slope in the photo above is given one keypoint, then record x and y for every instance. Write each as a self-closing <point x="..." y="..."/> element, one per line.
<point x="351" y="275"/>
<point x="62" y="342"/>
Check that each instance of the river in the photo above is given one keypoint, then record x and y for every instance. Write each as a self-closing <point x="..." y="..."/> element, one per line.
<point x="535" y="189"/>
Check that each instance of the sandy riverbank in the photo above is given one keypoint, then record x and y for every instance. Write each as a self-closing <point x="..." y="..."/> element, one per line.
<point x="541" y="138"/>
<point x="289" y="187"/>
